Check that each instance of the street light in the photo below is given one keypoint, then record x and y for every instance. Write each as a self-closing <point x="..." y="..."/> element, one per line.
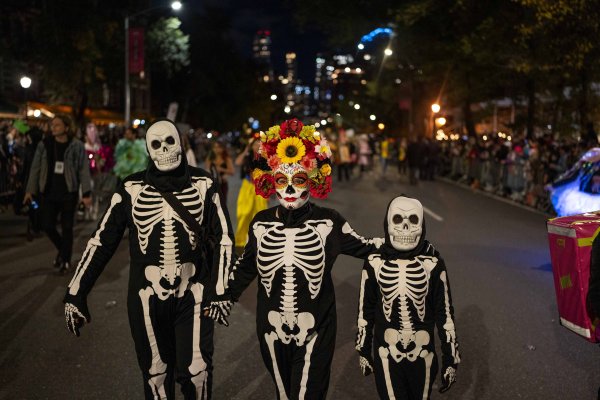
<point x="435" y="108"/>
<point x="176" y="6"/>
<point x="273" y="97"/>
<point x="388" y="52"/>
<point x="372" y="117"/>
<point x="25" y="82"/>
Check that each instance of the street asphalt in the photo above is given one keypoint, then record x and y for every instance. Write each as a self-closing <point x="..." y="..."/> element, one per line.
<point x="511" y="344"/>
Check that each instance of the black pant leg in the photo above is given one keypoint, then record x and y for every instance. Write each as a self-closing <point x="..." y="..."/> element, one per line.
<point x="67" y="218"/>
<point x="153" y="335"/>
<point x="278" y="361"/>
<point x="311" y="369"/>
<point x="50" y="210"/>
<point x="407" y="378"/>
<point x="194" y="346"/>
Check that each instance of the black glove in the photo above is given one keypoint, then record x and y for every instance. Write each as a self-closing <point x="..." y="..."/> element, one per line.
<point x="219" y="309"/>
<point x="366" y="363"/>
<point x="448" y="378"/>
<point x="76" y="317"/>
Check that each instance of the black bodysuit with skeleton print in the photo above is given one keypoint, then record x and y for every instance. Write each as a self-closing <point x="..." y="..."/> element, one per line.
<point x="293" y="263"/>
<point x="164" y="251"/>
<point x="401" y="301"/>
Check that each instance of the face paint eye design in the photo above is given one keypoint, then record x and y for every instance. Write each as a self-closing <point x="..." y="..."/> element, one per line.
<point x="281" y="181"/>
<point x="396" y="219"/>
<point x="170" y="140"/>
<point x="414" y="219"/>
<point x="300" y="180"/>
<point x="155" y="144"/>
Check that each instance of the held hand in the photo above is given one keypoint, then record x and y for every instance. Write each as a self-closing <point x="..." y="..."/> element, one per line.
<point x="27" y="198"/>
<point x="75" y="319"/>
<point x="87" y="201"/>
<point x="448" y="378"/>
<point x="219" y="311"/>
<point x="366" y="366"/>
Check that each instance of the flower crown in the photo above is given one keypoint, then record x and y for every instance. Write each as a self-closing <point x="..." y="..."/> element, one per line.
<point x="290" y="143"/>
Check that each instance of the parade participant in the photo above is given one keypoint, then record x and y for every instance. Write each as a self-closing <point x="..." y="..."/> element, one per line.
<point x="220" y="166"/>
<point x="170" y="279"/>
<point x="248" y="202"/>
<point x="58" y="169"/>
<point x="292" y="248"/>
<point x="405" y="293"/>
<point x="131" y="155"/>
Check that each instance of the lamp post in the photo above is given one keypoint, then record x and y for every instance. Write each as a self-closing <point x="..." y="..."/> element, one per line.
<point x="176" y="6"/>
<point x="25" y="83"/>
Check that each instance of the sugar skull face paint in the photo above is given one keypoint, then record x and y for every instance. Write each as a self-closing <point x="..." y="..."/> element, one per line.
<point x="291" y="185"/>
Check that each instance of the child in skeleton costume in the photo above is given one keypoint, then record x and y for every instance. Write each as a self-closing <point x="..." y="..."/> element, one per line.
<point x="404" y="293"/>
<point x="292" y="248"/>
<point x="169" y="278"/>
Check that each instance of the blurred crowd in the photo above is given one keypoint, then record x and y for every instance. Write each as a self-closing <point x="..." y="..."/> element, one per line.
<point x="514" y="167"/>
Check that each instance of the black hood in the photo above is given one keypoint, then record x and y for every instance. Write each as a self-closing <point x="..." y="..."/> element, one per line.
<point x="389" y="252"/>
<point x="169" y="181"/>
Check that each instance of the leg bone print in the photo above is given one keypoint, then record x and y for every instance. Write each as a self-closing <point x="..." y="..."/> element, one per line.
<point x="291" y="251"/>
<point x="406" y="281"/>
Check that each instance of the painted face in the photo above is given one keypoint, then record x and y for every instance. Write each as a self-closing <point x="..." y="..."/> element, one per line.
<point x="405" y="223"/>
<point x="164" y="145"/>
<point x="291" y="185"/>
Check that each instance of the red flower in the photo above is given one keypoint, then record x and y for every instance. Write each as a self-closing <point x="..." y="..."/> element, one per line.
<point x="320" y="191"/>
<point x="290" y="127"/>
<point x="265" y="185"/>
<point x="310" y="149"/>
<point x="274" y="162"/>
<point x="308" y="163"/>
<point x="270" y="148"/>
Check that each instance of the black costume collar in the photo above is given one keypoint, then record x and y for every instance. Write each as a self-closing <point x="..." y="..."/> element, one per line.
<point x="294" y="218"/>
<point x="389" y="252"/>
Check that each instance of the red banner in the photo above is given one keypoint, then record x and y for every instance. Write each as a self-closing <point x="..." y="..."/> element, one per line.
<point x="136" y="50"/>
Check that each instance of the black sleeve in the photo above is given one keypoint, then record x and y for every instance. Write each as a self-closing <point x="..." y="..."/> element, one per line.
<point x="593" y="296"/>
<point x="444" y="315"/>
<point x="244" y="270"/>
<point x="99" y="249"/>
<point x="367" y="303"/>
<point x="353" y="244"/>
<point x="219" y="230"/>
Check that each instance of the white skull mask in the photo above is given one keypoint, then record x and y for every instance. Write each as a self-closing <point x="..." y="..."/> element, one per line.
<point x="405" y="223"/>
<point x="164" y="145"/>
<point x="291" y="185"/>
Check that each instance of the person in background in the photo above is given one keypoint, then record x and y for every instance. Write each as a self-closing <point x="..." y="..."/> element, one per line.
<point x="189" y="152"/>
<point x="219" y="164"/>
<point x="34" y="136"/>
<point x="131" y="154"/>
<point x="248" y="202"/>
<point x="402" y="162"/>
<point x="59" y="168"/>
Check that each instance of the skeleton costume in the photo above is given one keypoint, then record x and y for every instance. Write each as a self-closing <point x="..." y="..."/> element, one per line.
<point x="292" y="249"/>
<point x="405" y="293"/>
<point x="169" y="278"/>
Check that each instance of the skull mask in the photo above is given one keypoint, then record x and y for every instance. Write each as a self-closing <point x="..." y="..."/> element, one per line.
<point x="164" y="145"/>
<point x="291" y="185"/>
<point x="405" y="223"/>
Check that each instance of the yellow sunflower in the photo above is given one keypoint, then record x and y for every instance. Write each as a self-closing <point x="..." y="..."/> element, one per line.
<point x="290" y="150"/>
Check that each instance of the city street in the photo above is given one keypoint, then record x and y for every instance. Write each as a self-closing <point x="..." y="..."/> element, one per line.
<point x="511" y="344"/>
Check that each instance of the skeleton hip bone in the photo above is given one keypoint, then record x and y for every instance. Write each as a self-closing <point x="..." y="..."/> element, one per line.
<point x="290" y="326"/>
<point x="394" y="337"/>
<point x="170" y="279"/>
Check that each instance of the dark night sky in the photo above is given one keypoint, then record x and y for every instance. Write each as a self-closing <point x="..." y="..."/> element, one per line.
<point x="250" y="16"/>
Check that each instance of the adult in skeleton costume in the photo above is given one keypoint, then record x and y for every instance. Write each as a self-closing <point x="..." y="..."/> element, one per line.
<point x="169" y="277"/>
<point x="292" y="248"/>
<point x="404" y="293"/>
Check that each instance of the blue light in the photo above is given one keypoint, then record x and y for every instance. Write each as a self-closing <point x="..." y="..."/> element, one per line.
<point x="374" y="33"/>
<point x="255" y="124"/>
